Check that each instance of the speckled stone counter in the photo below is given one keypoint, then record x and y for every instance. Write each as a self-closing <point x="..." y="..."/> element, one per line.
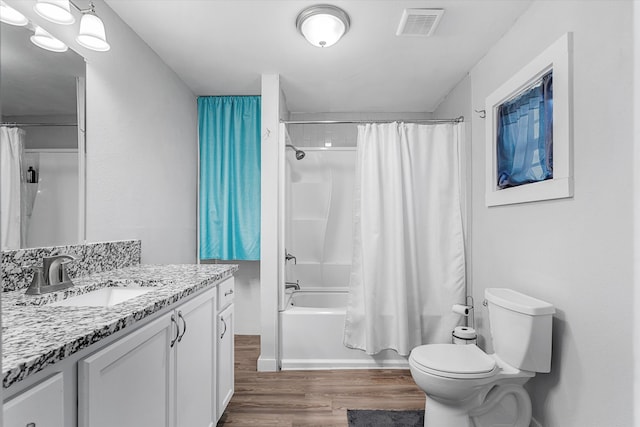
<point x="35" y="335"/>
<point x="91" y="258"/>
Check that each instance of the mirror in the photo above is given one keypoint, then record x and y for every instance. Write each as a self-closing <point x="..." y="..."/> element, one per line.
<point x="41" y="105"/>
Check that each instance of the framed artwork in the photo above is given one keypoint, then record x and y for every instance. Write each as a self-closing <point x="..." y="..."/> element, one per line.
<point x="529" y="131"/>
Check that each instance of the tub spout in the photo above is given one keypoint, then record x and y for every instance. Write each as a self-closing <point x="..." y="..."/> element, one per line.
<point x="292" y="285"/>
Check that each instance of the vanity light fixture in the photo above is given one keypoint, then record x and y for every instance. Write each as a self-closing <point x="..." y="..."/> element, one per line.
<point x="43" y="39"/>
<point x="56" y="11"/>
<point x="92" y="34"/>
<point x="9" y="15"/>
<point x="323" y="25"/>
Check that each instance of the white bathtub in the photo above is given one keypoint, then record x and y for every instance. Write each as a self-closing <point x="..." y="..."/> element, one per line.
<point x="311" y="329"/>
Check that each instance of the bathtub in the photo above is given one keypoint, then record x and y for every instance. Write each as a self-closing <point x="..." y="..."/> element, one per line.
<point x="311" y="328"/>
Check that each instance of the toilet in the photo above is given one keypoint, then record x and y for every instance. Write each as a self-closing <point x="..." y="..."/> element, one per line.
<point x="466" y="387"/>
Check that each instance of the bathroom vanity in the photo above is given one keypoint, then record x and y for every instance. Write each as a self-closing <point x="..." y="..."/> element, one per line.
<point x="162" y="357"/>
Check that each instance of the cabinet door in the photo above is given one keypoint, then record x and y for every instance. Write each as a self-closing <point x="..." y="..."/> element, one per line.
<point x="195" y="362"/>
<point x="39" y="406"/>
<point x="225" y="358"/>
<point x="129" y="383"/>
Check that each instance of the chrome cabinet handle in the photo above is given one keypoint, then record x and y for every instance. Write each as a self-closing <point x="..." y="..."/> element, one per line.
<point x="173" y="320"/>
<point x="225" y="328"/>
<point x="184" y="326"/>
<point x="229" y="292"/>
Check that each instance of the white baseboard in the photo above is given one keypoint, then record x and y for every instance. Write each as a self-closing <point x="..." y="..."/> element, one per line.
<point x="267" y="365"/>
<point x="319" y="364"/>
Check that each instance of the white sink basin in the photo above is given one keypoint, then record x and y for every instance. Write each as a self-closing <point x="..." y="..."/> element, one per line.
<point x="104" y="297"/>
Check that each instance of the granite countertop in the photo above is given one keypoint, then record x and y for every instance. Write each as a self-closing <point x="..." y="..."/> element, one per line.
<point x="35" y="335"/>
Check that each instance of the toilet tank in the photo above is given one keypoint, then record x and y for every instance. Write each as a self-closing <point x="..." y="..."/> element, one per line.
<point x="521" y="329"/>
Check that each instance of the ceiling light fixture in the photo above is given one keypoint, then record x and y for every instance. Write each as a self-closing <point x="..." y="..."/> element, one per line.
<point x="56" y="11"/>
<point x="9" y="15"/>
<point x="43" y="39"/>
<point x="323" y="25"/>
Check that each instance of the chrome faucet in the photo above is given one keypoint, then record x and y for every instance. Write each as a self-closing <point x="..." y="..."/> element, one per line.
<point x="52" y="276"/>
<point x="292" y="285"/>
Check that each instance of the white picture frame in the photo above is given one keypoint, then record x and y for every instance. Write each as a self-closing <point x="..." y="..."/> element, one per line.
<point x="558" y="59"/>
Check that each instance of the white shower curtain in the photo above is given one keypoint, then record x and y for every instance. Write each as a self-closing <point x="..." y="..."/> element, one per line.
<point x="11" y="183"/>
<point x="408" y="265"/>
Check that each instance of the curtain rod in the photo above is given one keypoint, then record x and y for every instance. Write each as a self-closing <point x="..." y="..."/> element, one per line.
<point x="332" y="122"/>
<point x="38" y="124"/>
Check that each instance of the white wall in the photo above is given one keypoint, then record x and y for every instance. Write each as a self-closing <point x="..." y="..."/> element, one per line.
<point x="271" y="248"/>
<point x="141" y="149"/>
<point x="141" y="135"/>
<point x="636" y="217"/>
<point x="458" y="103"/>
<point x="575" y="253"/>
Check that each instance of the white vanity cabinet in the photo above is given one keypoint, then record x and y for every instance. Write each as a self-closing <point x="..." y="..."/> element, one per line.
<point x="129" y="382"/>
<point x="163" y="374"/>
<point x="39" y="406"/>
<point x="196" y="362"/>
<point x="225" y="362"/>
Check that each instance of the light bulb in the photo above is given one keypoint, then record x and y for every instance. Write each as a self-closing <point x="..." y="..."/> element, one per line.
<point x="322" y="30"/>
<point x="92" y="34"/>
<point x="9" y="15"/>
<point x="56" y="11"/>
<point x="43" y="39"/>
<point x="323" y="25"/>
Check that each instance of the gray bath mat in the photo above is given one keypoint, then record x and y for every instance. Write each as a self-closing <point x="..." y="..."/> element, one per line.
<point x="369" y="418"/>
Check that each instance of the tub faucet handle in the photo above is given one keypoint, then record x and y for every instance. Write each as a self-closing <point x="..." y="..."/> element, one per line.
<point x="289" y="257"/>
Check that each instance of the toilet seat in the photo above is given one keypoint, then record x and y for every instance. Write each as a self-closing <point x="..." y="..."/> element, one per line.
<point x="453" y="361"/>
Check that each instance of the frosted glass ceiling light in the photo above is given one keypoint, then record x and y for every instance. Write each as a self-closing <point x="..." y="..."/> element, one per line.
<point x="9" y="15"/>
<point x="323" y="25"/>
<point x="57" y="11"/>
<point x="46" y="41"/>
<point x="92" y="34"/>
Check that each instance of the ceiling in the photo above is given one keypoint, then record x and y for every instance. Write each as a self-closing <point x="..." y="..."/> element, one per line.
<point x="221" y="47"/>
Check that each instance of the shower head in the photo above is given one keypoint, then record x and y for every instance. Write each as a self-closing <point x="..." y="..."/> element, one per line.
<point x="299" y="153"/>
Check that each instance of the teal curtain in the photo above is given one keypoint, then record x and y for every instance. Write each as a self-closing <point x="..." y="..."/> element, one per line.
<point x="229" y="133"/>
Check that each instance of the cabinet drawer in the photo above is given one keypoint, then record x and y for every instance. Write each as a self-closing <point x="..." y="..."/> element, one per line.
<point x="225" y="293"/>
<point x="42" y="405"/>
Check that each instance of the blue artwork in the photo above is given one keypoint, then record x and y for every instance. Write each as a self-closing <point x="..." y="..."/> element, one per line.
<point x="525" y="136"/>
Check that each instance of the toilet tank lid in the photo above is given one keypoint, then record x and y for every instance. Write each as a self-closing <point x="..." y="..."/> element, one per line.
<point x="515" y="301"/>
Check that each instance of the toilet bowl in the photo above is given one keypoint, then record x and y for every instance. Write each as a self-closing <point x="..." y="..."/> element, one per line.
<point x="466" y="387"/>
<point x="458" y="380"/>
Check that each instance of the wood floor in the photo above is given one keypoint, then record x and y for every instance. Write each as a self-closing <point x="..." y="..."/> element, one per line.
<point x="311" y="398"/>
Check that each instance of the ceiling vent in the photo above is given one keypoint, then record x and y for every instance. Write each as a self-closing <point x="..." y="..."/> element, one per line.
<point x="419" y="22"/>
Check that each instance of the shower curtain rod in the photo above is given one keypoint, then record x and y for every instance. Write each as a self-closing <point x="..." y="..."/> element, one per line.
<point x="38" y="124"/>
<point x="332" y="122"/>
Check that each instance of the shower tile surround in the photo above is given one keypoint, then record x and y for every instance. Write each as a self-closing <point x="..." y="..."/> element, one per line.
<point x="35" y="336"/>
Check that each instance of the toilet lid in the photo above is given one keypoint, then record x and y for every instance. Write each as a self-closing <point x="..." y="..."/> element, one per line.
<point x="455" y="361"/>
